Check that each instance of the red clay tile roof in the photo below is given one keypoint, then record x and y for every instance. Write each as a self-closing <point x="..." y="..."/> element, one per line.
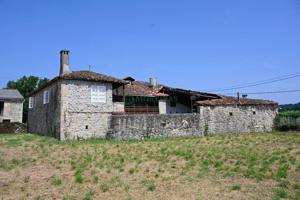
<point x="225" y="101"/>
<point x="84" y="76"/>
<point x="91" y="76"/>
<point x="140" y="88"/>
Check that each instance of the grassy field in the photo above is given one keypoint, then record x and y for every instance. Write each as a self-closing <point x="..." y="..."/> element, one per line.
<point x="250" y="166"/>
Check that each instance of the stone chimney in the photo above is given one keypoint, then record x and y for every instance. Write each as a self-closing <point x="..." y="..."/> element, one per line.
<point x="153" y="82"/>
<point x="64" y="62"/>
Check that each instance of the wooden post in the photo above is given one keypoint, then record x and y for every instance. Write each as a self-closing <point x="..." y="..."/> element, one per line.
<point x="124" y="94"/>
<point x="191" y="104"/>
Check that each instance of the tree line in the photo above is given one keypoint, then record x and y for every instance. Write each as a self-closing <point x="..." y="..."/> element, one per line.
<point x="26" y="85"/>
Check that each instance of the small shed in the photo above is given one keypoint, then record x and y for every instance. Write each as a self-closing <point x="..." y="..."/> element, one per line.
<point x="11" y="105"/>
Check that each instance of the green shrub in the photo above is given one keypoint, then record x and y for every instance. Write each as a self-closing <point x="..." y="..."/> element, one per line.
<point x="293" y="114"/>
<point x="56" y="181"/>
<point x="104" y="187"/>
<point x="281" y="194"/>
<point x="88" y="196"/>
<point x="149" y="185"/>
<point x="78" y="178"/>
<point x="236" y="187"/>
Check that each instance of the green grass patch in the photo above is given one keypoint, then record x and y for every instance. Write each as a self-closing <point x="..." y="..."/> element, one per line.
<point x="236" y="187"/>
<point x="56" y="181"/>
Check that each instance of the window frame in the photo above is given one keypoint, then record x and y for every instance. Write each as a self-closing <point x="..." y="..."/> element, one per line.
<point x="98" y="94"/>
<point x="2" y="108"/>
<point x="46" y="97"/>
<point x="31" y="102"/>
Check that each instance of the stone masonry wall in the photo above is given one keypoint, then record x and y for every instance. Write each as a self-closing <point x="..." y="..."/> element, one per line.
<point x="44" y="119"/>
<point x="145" y="126"/>
<point x="239" y="119"/>
<point x="119" y="107"/>
<point x="210" y="120"/>
<point x="13" y="111"/>
<point x="81" y="118"/>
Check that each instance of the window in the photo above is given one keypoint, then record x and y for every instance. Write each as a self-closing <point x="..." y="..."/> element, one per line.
<point x="31" y="102"/>
<point x="1" y="108"/>
<point x="254" y="112"/>
<point x="98" y="94"/>
<point x="46" y="97"/>
<point x="230" y="113"/>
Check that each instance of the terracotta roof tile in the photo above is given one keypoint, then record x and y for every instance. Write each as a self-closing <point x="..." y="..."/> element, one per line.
<point x="84" y="76"/>
<point x="140" y="88"/>
<point x="91" y="76"/>
<point x="226" y="100"/>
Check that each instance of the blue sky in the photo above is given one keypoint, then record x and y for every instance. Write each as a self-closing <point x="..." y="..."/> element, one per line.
<point x="198" y="44"/>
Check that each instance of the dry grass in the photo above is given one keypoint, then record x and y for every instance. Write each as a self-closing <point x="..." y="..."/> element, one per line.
<point x="250" y="166"/>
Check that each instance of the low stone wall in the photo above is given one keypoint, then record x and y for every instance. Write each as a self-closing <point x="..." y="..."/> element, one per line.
<point x="238" y="119"/>
<point x="13" y="128"/>
<point x="283" y="123"/>
<point x="209" y="120"/>
<point x="145" y="126"/>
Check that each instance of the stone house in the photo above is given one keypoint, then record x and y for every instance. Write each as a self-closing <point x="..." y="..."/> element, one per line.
<point x="11" y="106"/>
<point x="241" y="115"/>
<point x="73" y="105"/>
<point x="85" y="104"/>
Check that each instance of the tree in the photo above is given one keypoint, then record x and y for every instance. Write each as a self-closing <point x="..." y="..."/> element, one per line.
<point x="26" y="85"/>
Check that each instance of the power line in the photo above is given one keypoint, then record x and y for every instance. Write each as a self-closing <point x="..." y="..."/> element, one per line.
<point x="267" y="81"/>
<point x="268" y="92"/>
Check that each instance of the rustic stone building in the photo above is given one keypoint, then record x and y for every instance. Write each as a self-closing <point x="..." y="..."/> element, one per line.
<point x="11" y="106"/>
<point x="238" y="115"/>
<point x="73" y="105"/>
<point x="85" y="104"/>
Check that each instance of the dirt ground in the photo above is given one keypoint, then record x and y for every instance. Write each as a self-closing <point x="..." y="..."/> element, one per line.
<point x="250" y="166"/>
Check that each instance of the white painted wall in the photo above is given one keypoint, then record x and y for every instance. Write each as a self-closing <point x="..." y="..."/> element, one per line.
<point x="180" y="108"/>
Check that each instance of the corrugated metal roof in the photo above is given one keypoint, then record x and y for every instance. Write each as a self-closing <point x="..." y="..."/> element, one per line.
<point x="10" y="94"/>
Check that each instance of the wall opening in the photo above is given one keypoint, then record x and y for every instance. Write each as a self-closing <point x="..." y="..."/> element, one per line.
<point x="1" y="108"/>
<point x="86" y="127"/>
<point x="230" y="114"/>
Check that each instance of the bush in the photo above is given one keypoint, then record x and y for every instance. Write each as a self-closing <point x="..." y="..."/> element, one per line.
<point x="293" y="114"/>
<point x="288" y="120"/>
<point x="78" y="178"/>
<point x="236" y="187"/>
<point x="56" y="181"/>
